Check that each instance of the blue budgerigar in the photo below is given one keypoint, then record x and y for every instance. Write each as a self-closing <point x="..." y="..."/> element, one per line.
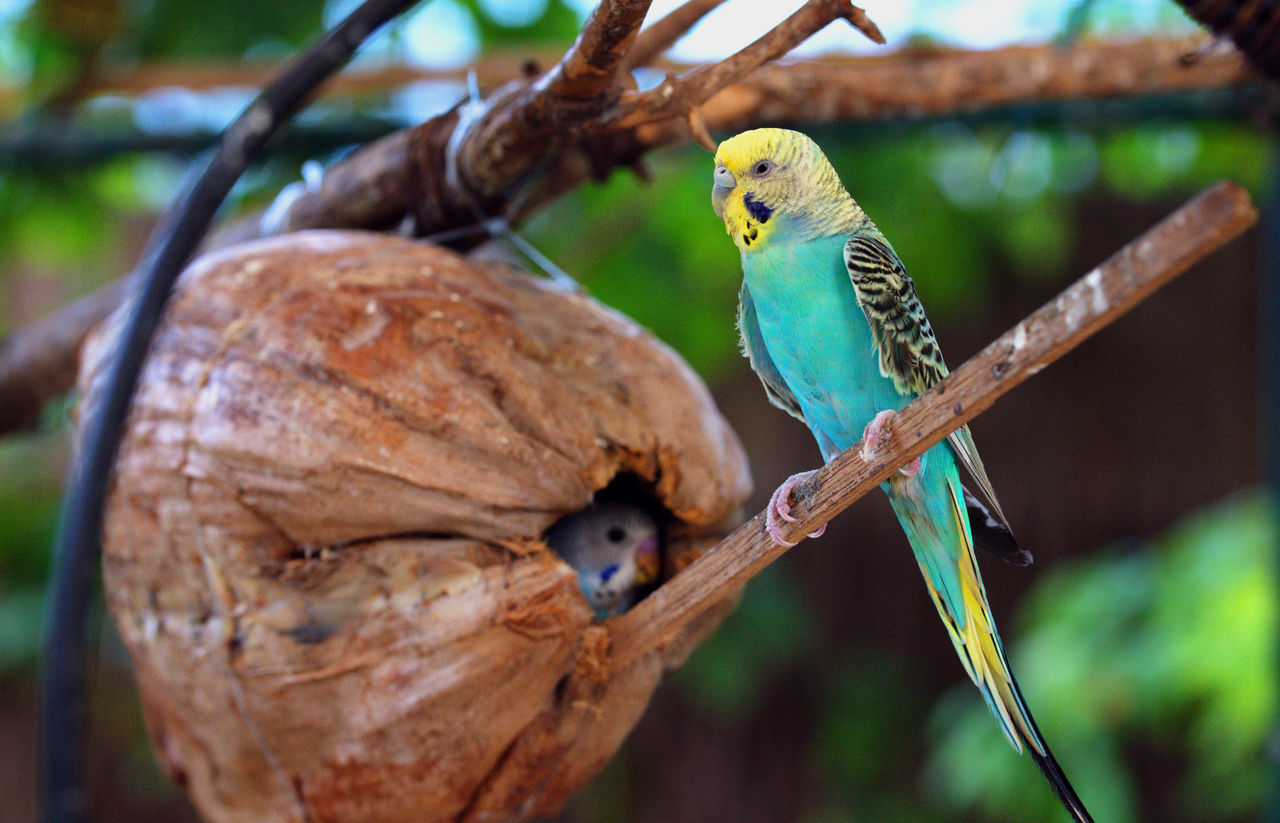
<point x="613" y="546"/>
<point x="832" y="325"/>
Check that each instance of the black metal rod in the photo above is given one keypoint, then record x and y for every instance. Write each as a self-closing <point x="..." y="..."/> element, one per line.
<point x="62" y="675"/>
<point x="1269" y="340"/>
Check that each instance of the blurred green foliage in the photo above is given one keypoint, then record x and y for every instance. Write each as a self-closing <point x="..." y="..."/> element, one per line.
<point x="30" y="483"/>
<point x="768" y="632"/>
<point x="865" y="758"/>
<point x="1168" y="649"/>
<point x="227" y="28"/>
<point x="524" y="23"/>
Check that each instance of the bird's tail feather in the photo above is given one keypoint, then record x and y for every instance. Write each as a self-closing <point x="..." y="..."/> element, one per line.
<point x="984" y="659"/>
<point x="1049" y="766"/>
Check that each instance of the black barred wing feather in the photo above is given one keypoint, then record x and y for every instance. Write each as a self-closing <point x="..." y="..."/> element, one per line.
<point x="910" y="356"/>
<point x="909" y="353"/>
<point x="753" y="347"/>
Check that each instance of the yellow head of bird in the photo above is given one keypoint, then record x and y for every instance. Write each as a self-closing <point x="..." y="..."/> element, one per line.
<point x="774" y="183"/>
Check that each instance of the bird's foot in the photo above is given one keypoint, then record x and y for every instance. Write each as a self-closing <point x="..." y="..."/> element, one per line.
<point x="871" y="439"/>
<point x="873" y="432"/>
<point x="779" y="509"/>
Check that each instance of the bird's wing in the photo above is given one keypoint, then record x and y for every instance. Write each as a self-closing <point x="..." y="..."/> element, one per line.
<point x="909" y="352"/>
<point x="753" y="347"/>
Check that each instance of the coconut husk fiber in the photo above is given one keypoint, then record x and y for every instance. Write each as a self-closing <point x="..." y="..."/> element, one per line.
<point x="323" y="544"/>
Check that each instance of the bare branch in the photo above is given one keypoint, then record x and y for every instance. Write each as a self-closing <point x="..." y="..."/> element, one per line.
<point x="38" y="363"/>
<point x="447" y="177"/>
<point x="526" y="128"/>
<point x="940" y="82"/>
<point x="676" y="97"/>
<point x="662" y="35"/>
<point x="520" y="127"/>
<point x="1190" y="233"/>
<point x="589" y="68"/>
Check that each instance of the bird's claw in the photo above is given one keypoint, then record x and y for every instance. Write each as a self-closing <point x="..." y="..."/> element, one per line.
<point x="873" y="432"/>
<point x="779" y="510"/>
<point x="871" y="438"/>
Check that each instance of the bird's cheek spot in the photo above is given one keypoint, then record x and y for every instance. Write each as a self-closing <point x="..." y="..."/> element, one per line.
<point x="755" y="208"/>
<point x="608" y="572"/>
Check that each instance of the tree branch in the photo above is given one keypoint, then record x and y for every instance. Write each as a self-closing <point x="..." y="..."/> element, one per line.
<point x="525" y="128"/>
<point x="1197" y="228"/>
<point x="589" y="68"/>
<point x="942" y="82"/>
<point x="39" y="363"/>
<point x="677" y="97"/>
<point x="376" y="186"/>
<point x="1254" y="28"/>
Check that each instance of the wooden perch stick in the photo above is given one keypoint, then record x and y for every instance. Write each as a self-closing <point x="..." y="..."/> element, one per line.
<point x="1197" y="228"/>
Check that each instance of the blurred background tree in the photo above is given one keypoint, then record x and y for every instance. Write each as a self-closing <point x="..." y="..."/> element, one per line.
<point x="1146" y="632"/>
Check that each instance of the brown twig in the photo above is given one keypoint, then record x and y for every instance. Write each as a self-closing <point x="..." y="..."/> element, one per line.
<point x="662" y="35"/>
<point x="1197" y="228"/>
<point x="937" y="82"/>
<point x="38" y="363"/>
<point x="522" y="129"/>
<point x="589" y="68"/>
<point x="378" y="185"/>
<point x="676" y="97"/>
<point x="519" y="127"/>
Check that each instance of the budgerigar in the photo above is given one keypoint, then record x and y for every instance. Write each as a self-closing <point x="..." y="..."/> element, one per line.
<point x="614" y="548"/>
<point x="832" y="325"/>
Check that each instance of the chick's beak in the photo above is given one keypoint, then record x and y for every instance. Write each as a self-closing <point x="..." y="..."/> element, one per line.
<point x="648" y="562"/>
<point x="723" y="183"/>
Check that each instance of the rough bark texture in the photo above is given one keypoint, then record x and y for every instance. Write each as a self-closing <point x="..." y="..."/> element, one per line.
<point x="323" y="546"/>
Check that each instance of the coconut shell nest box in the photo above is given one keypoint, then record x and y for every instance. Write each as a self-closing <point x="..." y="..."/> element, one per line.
<point x="323" y="545"/>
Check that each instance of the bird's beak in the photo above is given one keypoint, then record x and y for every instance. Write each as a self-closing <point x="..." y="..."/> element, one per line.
<point x="723" y="183"/>
<point x="648" y="562"/>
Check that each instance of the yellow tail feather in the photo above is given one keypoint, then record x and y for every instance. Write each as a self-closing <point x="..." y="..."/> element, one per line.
<point x="986" y="662"/>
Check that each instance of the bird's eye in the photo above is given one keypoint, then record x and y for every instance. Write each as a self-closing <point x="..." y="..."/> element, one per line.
<point x="763" y="168"/>
<point x="617" y="534"/>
